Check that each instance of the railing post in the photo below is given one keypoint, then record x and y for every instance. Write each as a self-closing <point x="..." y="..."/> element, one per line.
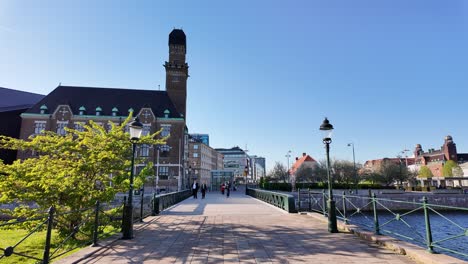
<point x="376" y="217"/>
<point x="153" y="207"/>
<point x="324" y="206"/>
<point x="96" y="225"/>
<point x="430" y="248"/>
<point x="50" y="225"/>
<point x="156" y="205"/>
<point x="310" y="201"/>
<point x="141" y="203"/>
<point x="344" y="208"/>
<point x="299" y="199"/>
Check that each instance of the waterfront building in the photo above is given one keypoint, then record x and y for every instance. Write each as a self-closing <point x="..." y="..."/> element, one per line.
<point x="202" y="160"/>
<point x="257" y="167"/>
<point x="73" y="106"/>
<point x="202" y="138"/>
<point x="237" y="161"/>
<point x="12" y="104"/>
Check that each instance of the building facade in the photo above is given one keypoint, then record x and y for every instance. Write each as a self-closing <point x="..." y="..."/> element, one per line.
<point x="237" y="161"/>
<point x="202" y="138"/>
<point x="73" y="106"/>
<point x="202" y="160"/>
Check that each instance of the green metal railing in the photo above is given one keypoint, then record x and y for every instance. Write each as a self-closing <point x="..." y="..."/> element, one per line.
<point x="164" y="201"/>
<point x="378" y="216"/>
<point x="89" y="230"/>
<point x="280" y="200"/>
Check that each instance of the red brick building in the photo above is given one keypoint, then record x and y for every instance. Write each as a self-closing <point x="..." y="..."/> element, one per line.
<point x="72" y="106"/>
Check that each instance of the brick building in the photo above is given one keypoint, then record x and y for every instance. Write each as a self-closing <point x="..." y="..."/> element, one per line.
<point x="435" y="159"/>
<point x="72" y="106"/>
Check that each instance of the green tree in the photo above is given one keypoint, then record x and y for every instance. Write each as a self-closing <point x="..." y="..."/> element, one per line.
<point x="448" y="168"/>
<point x="71" y="172"/>
<point x="425" y="172"/>
<point x="457" y="171"/>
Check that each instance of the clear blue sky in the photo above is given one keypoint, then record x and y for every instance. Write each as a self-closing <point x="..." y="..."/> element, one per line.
<point x="388" y="74"/>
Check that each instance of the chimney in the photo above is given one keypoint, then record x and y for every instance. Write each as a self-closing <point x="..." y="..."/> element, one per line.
<point x="303" y="154"/>
<point x="297" y="158"/>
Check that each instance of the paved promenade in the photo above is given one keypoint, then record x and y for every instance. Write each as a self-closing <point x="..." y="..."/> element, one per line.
<point x="238" y="229"/>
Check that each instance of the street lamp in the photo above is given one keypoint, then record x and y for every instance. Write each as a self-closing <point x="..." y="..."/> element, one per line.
<point x="354" y="167"/>
<point x="327" y="129"/>
<point x="288" y="155"/>
<point x="127" y="224"/>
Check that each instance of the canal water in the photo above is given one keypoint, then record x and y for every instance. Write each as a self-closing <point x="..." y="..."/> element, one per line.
<point x="452" y="227"/>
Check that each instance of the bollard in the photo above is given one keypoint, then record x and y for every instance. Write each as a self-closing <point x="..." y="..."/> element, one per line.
<point x="376" y="217"/>
<point x="141" y="203"/>
<point x="344" y="208"/>
<point x="324" y="203"/>
<point x="96" y="225"/>
<point x="50" y="225"/>
<point x="430" y="248"/>
<point x="310" y="201"/>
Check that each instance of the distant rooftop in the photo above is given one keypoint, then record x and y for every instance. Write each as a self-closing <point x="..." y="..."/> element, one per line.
<point x="11" y="100"/>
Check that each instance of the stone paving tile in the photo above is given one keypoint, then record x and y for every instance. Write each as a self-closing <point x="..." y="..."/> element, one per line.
<point x="239" y="230"/>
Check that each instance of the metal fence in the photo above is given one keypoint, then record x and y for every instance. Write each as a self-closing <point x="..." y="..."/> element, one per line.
<point x="413" y="225"/>
<point x="280" y="200"/>
<point x="94" y="224"/>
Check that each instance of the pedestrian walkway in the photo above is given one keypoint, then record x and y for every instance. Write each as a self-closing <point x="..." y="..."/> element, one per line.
<point x="238" y="229"/>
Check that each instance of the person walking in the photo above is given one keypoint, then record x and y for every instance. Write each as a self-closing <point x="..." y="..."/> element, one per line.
<point x="203" y="190"/>
<point x="222" y="188"/>
<point x="228" y="190"/>
<point x="195" y="189"/>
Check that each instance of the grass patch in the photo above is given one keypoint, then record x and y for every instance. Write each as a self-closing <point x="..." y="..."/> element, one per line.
<point x="34" y="245"/>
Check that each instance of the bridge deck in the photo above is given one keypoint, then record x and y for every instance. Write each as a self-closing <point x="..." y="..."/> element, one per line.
<point x="239" y="229"/>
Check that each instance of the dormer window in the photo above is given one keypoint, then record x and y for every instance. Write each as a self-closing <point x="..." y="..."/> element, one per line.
<point x="166" y="113"/>
<point x="115" y="111"/>
<point x="98" y="111"/>
<point x="82" y="110"/>
<point x="43" y="109"/>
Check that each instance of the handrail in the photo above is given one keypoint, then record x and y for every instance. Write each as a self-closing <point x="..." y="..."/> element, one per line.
<point x="280" y="200"/>
<point x="382" y="217"/>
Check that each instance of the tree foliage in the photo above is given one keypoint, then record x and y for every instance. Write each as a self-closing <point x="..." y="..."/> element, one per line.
<point x="305" y="173"/>
<point x="425" y="172"/>
<point x="448" y="168"/>
<point x="71" y="172"/>
<point x="279" y="172"/>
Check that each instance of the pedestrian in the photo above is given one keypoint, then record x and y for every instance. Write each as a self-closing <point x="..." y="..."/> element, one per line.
<point x="195" y="189"/>
<point x="203" y="190"/>
<point x="222" y="188"/>
<point x="228" y="189"/>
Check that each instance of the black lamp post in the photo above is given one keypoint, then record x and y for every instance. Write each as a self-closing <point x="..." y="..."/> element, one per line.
<point x="327" y="128"/>
<point x="127" y="224"/>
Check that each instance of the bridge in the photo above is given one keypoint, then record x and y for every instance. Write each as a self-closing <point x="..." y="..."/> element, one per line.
<point x="238" y="229"/>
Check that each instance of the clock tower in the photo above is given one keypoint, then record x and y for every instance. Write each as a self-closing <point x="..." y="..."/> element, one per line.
<point x="177" y="71"/>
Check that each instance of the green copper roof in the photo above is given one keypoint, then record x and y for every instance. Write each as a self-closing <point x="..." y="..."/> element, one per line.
<point x="115" y="109"/>
<point x="99" y="109"/>
<point x="43" y="107"/>
<point x="167" y="111"/>
<point x="130" y="110"/>
<point x="82" y="108"/>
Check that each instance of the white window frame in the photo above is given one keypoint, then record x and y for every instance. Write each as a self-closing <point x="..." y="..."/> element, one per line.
<point x="39" y="127"/>
<point x="61" y="128"/>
